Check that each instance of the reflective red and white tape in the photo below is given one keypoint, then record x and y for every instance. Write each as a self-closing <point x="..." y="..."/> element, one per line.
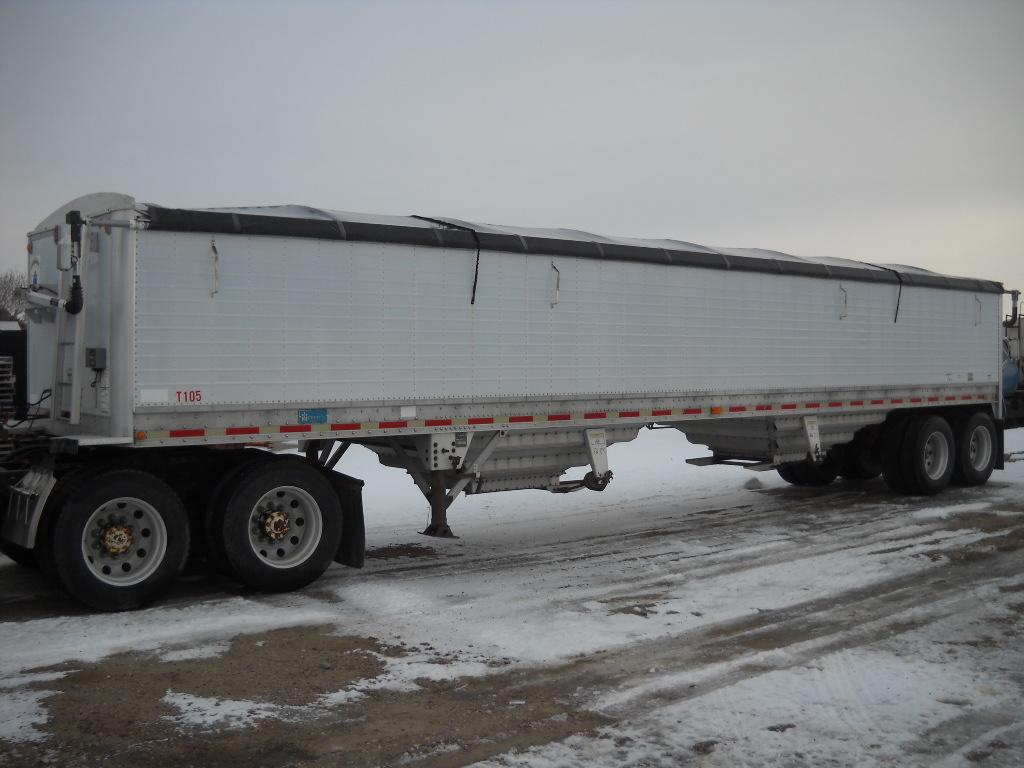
<point x="683" y="412"/>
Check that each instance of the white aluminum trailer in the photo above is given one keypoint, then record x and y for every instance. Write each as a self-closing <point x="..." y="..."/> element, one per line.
<point x="173" y="352"/>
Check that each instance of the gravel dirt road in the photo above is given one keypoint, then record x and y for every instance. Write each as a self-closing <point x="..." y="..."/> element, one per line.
<point x="674" y="624"/>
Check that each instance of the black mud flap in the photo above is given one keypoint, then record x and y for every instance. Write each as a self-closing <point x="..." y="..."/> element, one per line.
<point x="352" y="549"/>
<point x="1000" y="445"/>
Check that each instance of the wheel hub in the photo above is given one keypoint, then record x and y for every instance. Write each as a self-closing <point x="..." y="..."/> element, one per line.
<point x="124" y="541"/>
<point x="275" y="523"/>
<point x="117" y="539"/>
<point x="979" y="449"/>
<point x="936" y="455"/>
<point x="285" y="526"/>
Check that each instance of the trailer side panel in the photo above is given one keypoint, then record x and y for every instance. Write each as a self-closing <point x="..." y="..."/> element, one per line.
<point x="259" y="321"/>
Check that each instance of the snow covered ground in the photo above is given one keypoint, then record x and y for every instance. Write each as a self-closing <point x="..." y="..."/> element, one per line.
<point x="684" y="616"/>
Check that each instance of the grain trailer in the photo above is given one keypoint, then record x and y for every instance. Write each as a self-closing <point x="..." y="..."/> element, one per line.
<point x="174" y="354"/>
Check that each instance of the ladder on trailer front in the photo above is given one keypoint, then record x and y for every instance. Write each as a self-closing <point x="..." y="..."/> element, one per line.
<point x="66" y="394"/>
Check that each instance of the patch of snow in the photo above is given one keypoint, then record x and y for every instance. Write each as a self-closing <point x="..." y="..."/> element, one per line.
<point x="857" y="707"/>
<point x="37" y="677"/>
<point x="444" y="748"/>
<point x="942" y="513"/>
<point x="209" y="712"/>
<point x="205" y="651"/>
<point x="560" y="612"/>
<point x="21" y="712"/>
<point x="342" y="697"/>
<point x="402" y="673"/>
<point x="900" y="700"/>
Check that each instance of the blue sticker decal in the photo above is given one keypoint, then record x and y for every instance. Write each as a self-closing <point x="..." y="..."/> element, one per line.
<point x="313" y="416"/>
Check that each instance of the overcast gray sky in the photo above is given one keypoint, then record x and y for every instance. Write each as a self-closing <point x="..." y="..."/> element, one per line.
<point x="889" y="131"/>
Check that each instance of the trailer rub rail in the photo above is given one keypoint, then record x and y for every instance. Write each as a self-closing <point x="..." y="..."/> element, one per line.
<point x="682" y="412"/>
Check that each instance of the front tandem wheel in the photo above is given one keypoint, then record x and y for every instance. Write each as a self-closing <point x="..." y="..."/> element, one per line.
<point x="280" y="525"/>
<point x="119" y="539"/>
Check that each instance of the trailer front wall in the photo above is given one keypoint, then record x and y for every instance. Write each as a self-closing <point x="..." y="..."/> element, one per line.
<point x="229" y="320"/>
<point x="106" y="324"/>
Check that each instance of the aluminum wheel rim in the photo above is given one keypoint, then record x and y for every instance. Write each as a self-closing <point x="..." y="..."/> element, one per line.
<point x="936" y="455"/>
<point x="124" y="541"/>
<point x="979" y="448"/>
<point x="285" y="527"/>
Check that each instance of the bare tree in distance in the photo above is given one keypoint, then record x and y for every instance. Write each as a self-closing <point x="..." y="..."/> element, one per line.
<point x="12" y="301"/>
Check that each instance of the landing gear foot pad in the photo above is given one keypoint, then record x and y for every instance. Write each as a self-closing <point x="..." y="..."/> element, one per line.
<point x="438" y="531"/>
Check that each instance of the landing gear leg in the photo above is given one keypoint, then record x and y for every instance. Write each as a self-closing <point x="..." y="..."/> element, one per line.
<point x="438" y="527"/>
<point x="434" y="460"/>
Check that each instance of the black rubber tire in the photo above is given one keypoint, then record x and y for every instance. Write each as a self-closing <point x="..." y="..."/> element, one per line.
<point x="964" y="471"/>
<point x="252" y="483"/>
<point x="913" y="459"/>
<point x="790" y="473"/>
<point x="23" y="556"/>
<point x="891" y="452"/>
<point x="214" y="518"/>
<point x="807" y="474"/>
<point x="44" y="539"/>
<point x="91" y="493"/>
<point x="860" y="462"/>
<point x="67" y="484"/>
<point x="818" y="475"/>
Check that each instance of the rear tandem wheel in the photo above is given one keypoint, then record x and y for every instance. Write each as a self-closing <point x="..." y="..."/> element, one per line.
<point x="215" y="504"/>
<point x="279" y="524"/>
<point x="976" y="449"/>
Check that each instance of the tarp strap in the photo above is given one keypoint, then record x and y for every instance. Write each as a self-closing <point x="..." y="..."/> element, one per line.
<point x="899" y="279"/>
<point x="476" y="239"/>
